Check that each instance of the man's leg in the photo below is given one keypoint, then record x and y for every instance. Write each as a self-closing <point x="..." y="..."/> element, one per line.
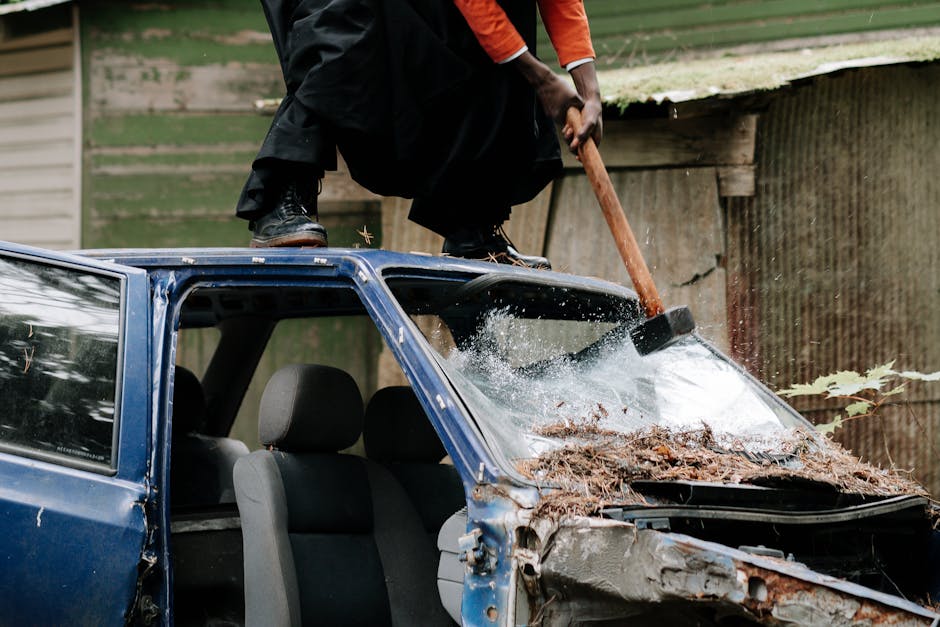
<point x="490" y="147"/>
<point x="279" y="199"/>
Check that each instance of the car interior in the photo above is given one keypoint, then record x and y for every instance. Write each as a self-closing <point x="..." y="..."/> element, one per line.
<point x="300" y="486"/>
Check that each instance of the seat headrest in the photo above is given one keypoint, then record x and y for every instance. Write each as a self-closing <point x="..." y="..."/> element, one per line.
<point x="189" y="403"/>
<point x="397" y="428"/>
<point x="309" y="408"/>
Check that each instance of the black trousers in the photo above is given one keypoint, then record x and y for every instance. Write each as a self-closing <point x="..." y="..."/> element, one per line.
<point x="417" y="109"/>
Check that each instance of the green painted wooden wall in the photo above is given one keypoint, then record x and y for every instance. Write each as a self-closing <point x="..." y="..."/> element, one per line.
<point x="628" y="33"/>
<point x="170" y="126"/>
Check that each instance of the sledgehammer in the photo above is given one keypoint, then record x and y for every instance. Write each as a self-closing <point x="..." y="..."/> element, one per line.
<point x="661" y="327"/>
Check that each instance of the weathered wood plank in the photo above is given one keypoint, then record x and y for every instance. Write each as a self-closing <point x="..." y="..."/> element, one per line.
<point x="31" y="61"/>
<point x="160" y="195"/>
<point x="676" y="219"/>
<point x="736" y="180"/>
<point x="402" y="235"/>
<point x="25" y="180"/>
<point x="39" y="85"/>
<point x="180" y="129"/>
<point x="37" y="154"/>
<point x="58" y="36"/>
<point x="38" y="203"/>
<point x="172" y="169"/>
<point x="213" y="150"/>
<point x="58" y="233"/>
<point x="703" y="141"/>
<point x="189" y="34"/>
<point x="158" y="231"/>
<point x="528" y="223"/>
<point x="133" y="84"/>
<point x="188" y="50"/>
<point x="340" y="186"/>
<point x="24" y="110"/>
<point x="61" y="128"/>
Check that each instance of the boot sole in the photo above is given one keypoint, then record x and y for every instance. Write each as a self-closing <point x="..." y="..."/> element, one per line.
<point x="311" y="240"/>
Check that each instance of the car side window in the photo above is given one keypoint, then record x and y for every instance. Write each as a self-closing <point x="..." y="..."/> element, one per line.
<point x="59" y="332"/>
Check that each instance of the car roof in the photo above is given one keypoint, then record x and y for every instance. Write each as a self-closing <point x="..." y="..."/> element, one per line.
<point x="154" y="259"/>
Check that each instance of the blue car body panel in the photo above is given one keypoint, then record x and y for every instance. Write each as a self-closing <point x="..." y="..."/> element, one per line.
<point x="72" y="537"/>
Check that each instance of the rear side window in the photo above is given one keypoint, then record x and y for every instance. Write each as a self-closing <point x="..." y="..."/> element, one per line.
<point x="59" y="330"/>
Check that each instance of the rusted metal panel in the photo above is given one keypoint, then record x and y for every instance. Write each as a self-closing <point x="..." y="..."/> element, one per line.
<point x="602" y="570"/>
<point x="838" y="249"/>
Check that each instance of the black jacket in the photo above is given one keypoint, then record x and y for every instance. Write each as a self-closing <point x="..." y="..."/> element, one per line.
<point x="414" y="105"/>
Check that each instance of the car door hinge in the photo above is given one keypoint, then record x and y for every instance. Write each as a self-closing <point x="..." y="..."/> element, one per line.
<point x="475" y="553"/>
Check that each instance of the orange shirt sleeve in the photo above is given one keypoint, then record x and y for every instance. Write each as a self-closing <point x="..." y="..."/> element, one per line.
<point x="492" y="28"/>
<point x="567" y="25"/>
<point x="565" y="20"/>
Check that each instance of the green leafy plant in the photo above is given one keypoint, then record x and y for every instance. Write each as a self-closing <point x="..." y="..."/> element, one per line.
<point x="864" y="394"/>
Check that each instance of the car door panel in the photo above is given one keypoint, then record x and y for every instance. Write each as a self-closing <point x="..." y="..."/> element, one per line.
<point x="74" y="432"/>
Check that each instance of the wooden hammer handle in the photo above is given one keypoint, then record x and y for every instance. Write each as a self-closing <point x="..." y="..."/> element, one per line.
<point x="617" y="220"/>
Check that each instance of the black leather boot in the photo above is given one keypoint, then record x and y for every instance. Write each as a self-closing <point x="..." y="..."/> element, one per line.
<point x="288" y="223"/>
<point x="490" y="244"/>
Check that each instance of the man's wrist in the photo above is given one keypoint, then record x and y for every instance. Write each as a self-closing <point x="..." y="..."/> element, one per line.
<point x="578" y="63"/>
<point x="514" y="55"/>
<point x="585" y="81"/>
<point x="534" y="71"/>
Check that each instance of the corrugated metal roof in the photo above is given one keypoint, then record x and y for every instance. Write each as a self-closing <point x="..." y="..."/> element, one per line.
<point x="735" y="75"/>
<point x="28" y="5"/>
<point x="643" y="31"/>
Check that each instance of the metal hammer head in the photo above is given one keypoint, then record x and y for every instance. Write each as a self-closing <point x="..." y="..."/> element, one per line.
<point x="662" y="330"/>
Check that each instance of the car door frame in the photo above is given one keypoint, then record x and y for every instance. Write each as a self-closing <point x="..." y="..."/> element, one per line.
<point x="76" y="534"/>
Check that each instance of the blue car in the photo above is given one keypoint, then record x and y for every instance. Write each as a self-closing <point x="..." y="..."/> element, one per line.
<point x="137" y="488"/>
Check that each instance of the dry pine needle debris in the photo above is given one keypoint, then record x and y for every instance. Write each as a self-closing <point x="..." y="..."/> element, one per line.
<point x="597" y="467"/>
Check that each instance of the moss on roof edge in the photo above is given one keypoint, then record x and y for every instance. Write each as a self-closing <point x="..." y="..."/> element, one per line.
<point x="730" y="75"/>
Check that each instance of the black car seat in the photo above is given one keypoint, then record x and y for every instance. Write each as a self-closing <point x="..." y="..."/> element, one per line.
<point x="205" y="535"/>
<point x="329" y="538"/>
<point x="201" y="465"/>
<point x="398" y="434"/>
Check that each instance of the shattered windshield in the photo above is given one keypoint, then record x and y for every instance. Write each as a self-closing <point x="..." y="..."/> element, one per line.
<point x="534" y="363"/>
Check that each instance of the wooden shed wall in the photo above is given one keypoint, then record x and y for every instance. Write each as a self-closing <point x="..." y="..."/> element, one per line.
<point x="39" y="129"/>
<point x="835" y="262"/>
<point x="171" y="126"/>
